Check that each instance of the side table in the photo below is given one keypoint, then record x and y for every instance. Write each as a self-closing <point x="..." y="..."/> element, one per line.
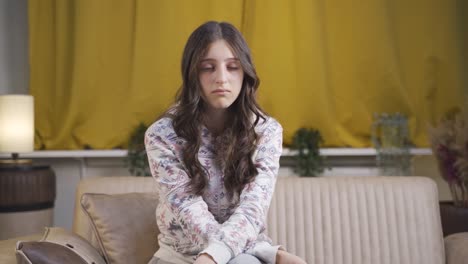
<point x="454" y="219"/>
<point x="27" y="196"/>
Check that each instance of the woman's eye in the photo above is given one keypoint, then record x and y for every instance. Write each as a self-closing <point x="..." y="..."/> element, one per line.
<point x="207" y="68"/>
<point x="233" y="67"/>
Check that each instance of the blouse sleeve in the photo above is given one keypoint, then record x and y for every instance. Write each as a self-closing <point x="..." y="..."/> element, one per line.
<point x="190" y="210"/>
<point x="248" y="220"/>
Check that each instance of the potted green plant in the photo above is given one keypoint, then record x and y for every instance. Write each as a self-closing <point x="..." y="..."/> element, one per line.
<point x="137" y="160"/>
<point x="307" y="141"/>
<point x="449" y="142"/>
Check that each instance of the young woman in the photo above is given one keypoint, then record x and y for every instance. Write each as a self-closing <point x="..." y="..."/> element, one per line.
<point x="215" y="157"/>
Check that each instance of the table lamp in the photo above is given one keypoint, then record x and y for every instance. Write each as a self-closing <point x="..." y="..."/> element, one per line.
<point x="16" y="126"/>
<point x="27" y="191"/>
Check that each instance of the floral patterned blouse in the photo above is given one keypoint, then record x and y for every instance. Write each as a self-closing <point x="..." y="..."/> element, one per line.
<point x="215" y="223"/>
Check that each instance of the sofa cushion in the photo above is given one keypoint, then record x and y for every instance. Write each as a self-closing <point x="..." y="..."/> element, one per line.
<point x="58" y="246"/>
<point x="124" y="225"/>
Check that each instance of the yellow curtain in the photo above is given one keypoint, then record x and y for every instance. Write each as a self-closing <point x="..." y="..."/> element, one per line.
<point x="98" y="68"/>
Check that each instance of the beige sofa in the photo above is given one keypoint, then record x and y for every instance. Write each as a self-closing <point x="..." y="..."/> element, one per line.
<point x="329" y="220"/>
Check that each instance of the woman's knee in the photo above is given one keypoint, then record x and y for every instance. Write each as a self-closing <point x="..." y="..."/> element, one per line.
<point x="245" y="259"/>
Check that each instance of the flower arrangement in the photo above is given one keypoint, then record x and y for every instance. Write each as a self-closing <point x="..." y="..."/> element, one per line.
<point x="449" y="140"/>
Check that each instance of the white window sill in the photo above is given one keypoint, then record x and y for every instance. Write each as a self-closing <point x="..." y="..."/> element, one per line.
<point x="122" y="153"/>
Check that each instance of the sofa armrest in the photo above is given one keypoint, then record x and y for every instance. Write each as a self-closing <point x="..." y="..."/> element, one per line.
<point x="7" y="247"/>
<point x="456" y="248"/>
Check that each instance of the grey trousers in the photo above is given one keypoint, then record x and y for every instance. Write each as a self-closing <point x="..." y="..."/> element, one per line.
<point x="240" y="259"/>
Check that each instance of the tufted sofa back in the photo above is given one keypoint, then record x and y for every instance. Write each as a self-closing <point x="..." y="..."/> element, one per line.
<point x="331" y="220"/>
<point x="361" y="220"/>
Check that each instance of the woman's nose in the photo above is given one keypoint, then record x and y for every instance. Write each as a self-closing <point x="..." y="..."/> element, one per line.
<point x="221" y="76"/>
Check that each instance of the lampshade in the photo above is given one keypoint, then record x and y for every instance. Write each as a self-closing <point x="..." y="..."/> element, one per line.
<point x="16" y="123"/>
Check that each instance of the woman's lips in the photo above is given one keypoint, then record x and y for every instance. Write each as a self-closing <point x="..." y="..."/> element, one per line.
<point x="220" y="91"/>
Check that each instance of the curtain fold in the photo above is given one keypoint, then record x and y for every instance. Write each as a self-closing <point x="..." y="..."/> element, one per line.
<point x="98" y="68"/>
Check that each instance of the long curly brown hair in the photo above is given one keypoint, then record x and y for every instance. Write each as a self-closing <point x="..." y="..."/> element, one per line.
<point x="239" y="137"/>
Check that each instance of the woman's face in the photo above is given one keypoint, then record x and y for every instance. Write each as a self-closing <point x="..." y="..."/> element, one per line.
<point x="220" y="75"/>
